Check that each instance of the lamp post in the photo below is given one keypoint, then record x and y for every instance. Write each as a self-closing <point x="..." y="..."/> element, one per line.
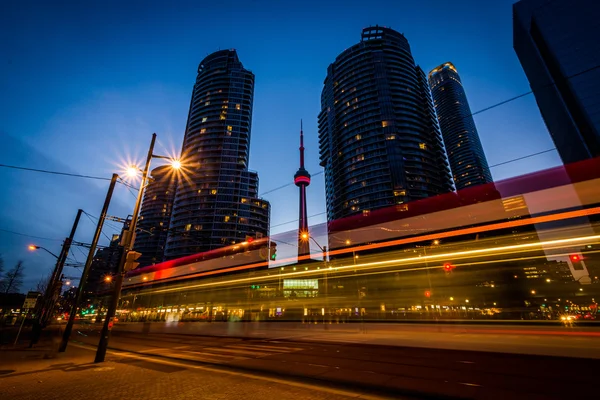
<point x="53" y="286"/>
<point x="127" y="244"/>
<point x="305" y="236"/>
<point x="88" y="265"/>
<point x="34" y="247"/>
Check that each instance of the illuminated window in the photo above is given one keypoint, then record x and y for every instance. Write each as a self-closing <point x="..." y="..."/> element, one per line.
<point x="213" y="191"/>
<point x="222" y="116"/>
<point x="198" y="227"/>
<point x="357" y="137"/>
<point x="188" y="227"/>
<point x="224" y="107"/>
<point x="384" y="123"/>
<point x="203" y="130"/>
<point x="363" y="183"/>
<point x="244" y="200"/>
<point x="399" y="192"/>
<point x="390" y="137"/>
<point x="204" y="119"/>
<point x="348" y="103"/>
<point x="226" y="219"/>
<point x="229" y="128"/>
<point x="422" y="146"/>
<point x="199" y="191"/>
<point x="207" y="103"/>
<point x="238" y="107"/>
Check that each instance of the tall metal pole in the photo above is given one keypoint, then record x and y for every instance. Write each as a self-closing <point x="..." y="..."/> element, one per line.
<point x="55" y="284"/>
<point x="128" y="241"/>
<point x="88" y="265"/>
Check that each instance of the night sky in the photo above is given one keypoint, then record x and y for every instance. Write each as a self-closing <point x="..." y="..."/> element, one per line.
<point x="85" y="84"/>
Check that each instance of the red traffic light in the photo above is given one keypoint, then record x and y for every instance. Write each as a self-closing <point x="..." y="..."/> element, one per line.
<point x="575" y="257"/>
<point x="448" y="267"/>
<point x="427" y="293"/>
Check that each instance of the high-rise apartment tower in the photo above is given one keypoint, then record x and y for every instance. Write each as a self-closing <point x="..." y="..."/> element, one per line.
<point x="379" y="140"/>
<point x="216" y="201"/>
<point x="467" y="160"/>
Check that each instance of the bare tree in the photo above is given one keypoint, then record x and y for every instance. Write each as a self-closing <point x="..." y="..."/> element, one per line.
<point x="42" y="285"/>
<point x="13" y="279"/>
<point x="1" y="269"/>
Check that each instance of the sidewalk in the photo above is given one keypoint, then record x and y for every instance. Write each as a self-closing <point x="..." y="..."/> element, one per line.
<point x="42" y="373"/>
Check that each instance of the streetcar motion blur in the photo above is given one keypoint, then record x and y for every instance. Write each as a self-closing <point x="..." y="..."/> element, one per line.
<point x="525" y="248"/>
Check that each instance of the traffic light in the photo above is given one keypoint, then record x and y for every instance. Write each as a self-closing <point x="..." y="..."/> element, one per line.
<point x="255" y="287"/>
<point x="273" y="251"/>
<point x="448" y="267"/>
<point x="577" y="261"/>
<point x="130" y="260"/>
<point x="325" y="253"/>
<point x="428" y="293"/>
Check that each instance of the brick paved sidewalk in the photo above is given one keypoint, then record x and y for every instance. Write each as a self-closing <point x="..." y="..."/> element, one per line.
<point x="41" y="373"/>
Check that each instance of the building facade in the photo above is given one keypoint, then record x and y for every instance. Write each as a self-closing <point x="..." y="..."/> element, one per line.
<point x="467" y="160"/>
<point x="379" y="140"/>
<point x="155" y="215"/>
<point x="560" y="55"/>
<point x="216" y="201"/>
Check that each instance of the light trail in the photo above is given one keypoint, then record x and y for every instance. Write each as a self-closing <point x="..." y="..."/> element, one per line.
<point x="400" y="261"/>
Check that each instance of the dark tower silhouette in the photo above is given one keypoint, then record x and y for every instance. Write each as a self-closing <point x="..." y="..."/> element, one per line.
<point x="302" y="180"/>
<point x="559" y="53"/>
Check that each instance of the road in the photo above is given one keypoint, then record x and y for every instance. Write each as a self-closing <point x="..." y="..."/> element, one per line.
<point x="564" y="341"/>
<point x="331" y="360"/>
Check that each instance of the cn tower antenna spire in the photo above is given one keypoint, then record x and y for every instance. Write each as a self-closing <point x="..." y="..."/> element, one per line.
<point x="302" y="180"/>
<point x="301" y="145"/>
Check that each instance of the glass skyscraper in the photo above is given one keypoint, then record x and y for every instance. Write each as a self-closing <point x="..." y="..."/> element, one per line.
<point x="379" y="140"/>
<point x="560" y="54"/>
<point x="216" y="201"/>
<point x="467" y="160"/>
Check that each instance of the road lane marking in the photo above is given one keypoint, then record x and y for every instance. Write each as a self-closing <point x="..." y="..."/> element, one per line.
<point x="279" y="349"/>
<point x="323" y="389"/>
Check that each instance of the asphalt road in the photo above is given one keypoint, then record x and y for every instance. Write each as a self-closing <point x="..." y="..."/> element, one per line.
<point x="565" y="341"/>
<point x="396" y="371"/>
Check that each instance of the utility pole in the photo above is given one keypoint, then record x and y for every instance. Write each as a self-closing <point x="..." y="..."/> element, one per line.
<point x="54" y="286"/>
<point x="88" y="265"/>
<point x="127" y="243"/>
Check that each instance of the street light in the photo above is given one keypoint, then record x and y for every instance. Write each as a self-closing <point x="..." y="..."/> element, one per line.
<point x="127" y="243"/>
<point x="33" y="247"/>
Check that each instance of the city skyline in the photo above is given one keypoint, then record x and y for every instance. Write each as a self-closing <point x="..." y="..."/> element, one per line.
<point x="163" y="104"/>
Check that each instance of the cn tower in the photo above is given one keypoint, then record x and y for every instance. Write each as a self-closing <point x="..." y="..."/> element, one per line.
<point x="302" y="180"/>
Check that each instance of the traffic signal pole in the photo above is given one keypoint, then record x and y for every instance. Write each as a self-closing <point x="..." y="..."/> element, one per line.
<point x="127" y="243"/>
<point x="88" y="264"/>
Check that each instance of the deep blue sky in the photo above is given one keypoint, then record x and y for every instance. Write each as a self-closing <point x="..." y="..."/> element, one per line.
<point x="84" y="85"/>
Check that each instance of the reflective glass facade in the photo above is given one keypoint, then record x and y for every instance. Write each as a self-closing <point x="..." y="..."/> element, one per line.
<point x="379" y="140"/>
<point x="560" y="54"/>
<point x="155" y="215"/>
<point x="216" y="201"/>
<point x="465" y="153"/>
